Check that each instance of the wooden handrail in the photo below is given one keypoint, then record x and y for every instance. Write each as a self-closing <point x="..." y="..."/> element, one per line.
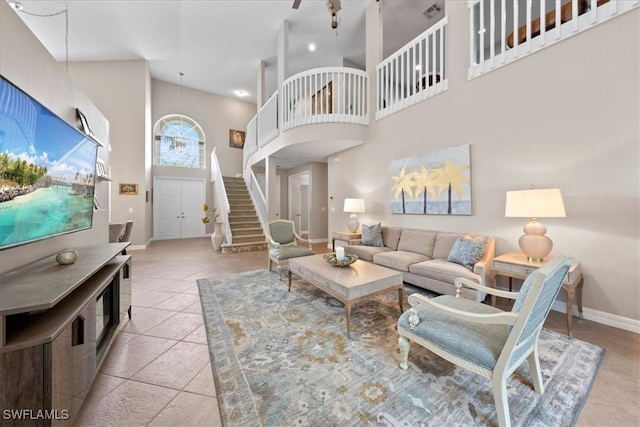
<point x="566" y="14"/>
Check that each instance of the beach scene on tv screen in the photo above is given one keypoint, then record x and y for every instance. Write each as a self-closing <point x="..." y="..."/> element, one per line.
<point x="47" y="171"/>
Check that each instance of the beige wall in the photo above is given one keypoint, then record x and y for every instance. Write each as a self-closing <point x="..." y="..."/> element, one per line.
<point x="119" y="89"/>
<point x="27" y="64"/>
<point x="565" y="117"/>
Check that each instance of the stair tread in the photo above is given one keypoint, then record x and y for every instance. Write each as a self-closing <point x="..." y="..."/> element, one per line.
<point x="246" y="230"/>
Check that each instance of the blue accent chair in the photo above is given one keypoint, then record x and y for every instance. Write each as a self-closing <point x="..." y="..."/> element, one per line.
<point x="482" y="338"/>
<point x="284" y="243"/>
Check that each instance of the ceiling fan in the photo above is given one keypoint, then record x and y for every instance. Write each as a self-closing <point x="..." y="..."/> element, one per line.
<point x="333" y="6"/>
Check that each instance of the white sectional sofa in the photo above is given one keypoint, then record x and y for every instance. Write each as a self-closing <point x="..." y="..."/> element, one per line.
<point x="425" y="258"/>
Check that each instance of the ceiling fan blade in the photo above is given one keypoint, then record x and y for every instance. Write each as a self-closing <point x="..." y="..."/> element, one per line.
<point x="335" y="5"/>
<point x="296" y="4"/>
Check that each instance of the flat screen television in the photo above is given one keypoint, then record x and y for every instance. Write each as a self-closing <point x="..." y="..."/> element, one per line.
<point x="47" y="171"/>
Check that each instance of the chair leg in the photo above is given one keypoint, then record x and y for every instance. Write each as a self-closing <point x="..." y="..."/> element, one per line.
<point x="500" y="397"/>
<point x="279" y="272"/>
<point x="536" y="374"/>
<point x="403" y="345"/>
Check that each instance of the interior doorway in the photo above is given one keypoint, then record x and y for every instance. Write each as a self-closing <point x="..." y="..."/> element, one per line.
<point x="177" y="208"/>
<point x="299" y="202"/>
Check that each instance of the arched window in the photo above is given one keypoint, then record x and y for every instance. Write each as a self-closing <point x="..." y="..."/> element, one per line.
<point x="178" y="141"/>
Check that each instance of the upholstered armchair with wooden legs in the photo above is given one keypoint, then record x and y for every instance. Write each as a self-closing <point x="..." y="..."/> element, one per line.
<point x="482" y="338"/>
<point x="284" y="243"/>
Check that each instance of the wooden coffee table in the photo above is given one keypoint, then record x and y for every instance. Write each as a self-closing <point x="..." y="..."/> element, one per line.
<point x="350" y="285"/>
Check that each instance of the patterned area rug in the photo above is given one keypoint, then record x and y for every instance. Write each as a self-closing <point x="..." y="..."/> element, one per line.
<point x="282" y="358"/>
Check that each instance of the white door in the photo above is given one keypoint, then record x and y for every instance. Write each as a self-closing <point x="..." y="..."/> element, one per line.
<point x="177" y="208"/>
<point x="298" y="198"/>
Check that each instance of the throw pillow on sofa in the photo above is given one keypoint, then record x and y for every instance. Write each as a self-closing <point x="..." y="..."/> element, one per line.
<point x="467" y="250"/>
<point x="372" y="235"/>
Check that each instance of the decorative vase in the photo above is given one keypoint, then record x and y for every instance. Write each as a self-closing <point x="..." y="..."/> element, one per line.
<point x="217" y="237"/>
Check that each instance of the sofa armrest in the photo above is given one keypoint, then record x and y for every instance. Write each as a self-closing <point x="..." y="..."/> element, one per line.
<point x="484" y="266"/>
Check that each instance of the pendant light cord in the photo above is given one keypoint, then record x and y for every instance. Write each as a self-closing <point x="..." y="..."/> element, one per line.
<point x="66" y="29"/>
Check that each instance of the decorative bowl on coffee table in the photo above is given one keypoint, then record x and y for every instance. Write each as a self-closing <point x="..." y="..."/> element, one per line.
<point x="346" y="262"/>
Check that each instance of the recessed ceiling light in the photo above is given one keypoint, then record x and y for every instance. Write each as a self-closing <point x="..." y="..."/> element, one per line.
<point x="312" y="47"/>
<point x="16" y="5"/>
<point x="241" y="93"/>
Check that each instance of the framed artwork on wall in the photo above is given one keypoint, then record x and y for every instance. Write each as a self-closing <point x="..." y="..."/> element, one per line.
<point x="83" y="125"/>
<point x="128" y="189"/>
<point x="437" y="183"/>
<point x="236" y="138"/>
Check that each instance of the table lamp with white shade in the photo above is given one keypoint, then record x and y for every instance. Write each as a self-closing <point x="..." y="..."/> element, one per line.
<point x="535" y="203"/>
<point x="354" y="206"/>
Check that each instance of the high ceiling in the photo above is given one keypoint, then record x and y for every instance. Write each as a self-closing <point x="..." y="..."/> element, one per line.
<point x="217" y="44"/>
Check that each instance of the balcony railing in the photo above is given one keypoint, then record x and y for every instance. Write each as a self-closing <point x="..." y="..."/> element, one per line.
<point x="268" y="121"/>
<point x="250" y="140"/>
<point x="325" y="95"/>
<point x="503" y="31"/>
<point x="321" y="95"/>
<point x="415" y="72"/>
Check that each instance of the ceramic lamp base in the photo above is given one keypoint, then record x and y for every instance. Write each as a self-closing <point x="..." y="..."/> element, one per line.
<point x="534" y="244"/>
<point x="353" y="224"/>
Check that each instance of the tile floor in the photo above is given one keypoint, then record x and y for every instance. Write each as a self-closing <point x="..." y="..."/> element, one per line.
<point x="158" y="373"/>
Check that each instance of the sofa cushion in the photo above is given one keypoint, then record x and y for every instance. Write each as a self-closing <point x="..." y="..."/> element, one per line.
<point x="365" y="252"/>
<point x="418" y="241"/>
<point x="479" y="343"/>
<point x="391" y="237"/>
<point x="444" y="244"/>
<point x="400" y="260"/>
<point x="372" y="235"/>
<point x="444" y="271"/>
<point x="467" y="250"/>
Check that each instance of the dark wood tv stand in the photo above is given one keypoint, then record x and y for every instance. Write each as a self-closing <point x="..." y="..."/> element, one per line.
<point x="57" y="323"/>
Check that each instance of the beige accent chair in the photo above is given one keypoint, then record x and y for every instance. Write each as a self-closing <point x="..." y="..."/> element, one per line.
<point x="484" y="339"/>
<point x="284" y="243"/>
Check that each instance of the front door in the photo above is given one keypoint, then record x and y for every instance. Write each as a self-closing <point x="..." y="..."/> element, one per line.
<point x="177" y="208"/>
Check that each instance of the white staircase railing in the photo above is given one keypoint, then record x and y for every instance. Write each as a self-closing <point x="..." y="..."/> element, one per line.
<point x="415" y="72"/>
<point x="504" y="31"/>
<point x="325" y="95"/>
<point x="257" y="197"/>
<point x="220" y="195"/>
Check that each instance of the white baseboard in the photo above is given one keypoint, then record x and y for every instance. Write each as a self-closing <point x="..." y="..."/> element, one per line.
<point x="318" y="241"/>
<point x="601" y="317"/>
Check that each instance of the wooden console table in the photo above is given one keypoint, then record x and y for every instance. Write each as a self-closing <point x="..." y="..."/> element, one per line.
<point x="57" y="323"/>
<point x="515" y="265"/>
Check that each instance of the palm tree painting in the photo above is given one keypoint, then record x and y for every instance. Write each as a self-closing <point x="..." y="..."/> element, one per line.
<point x="437" y="183"/>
